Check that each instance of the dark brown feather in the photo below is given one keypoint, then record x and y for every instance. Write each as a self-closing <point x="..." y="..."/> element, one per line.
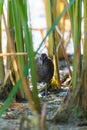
<point x="45" y="68"/>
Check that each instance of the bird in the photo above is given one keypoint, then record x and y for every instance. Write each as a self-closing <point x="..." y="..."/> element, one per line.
<point x="44" y="68"/>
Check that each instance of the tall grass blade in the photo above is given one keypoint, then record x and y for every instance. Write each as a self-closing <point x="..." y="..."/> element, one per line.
<point x="76" y="19"/>
<point x="19" y="38"/>
<point x="2" y="71"/>
<point x="29" y="48"/>
<point x="56" y="22"/>
<point x="1" y="6"/>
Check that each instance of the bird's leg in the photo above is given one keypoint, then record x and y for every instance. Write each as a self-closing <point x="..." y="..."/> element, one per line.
<point x="46" y="91"/>
<point x="46" y="88"/>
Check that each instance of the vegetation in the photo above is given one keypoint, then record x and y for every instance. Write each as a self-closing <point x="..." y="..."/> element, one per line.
<point x="76" y="104"/>
<point x="22" y="55"/>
